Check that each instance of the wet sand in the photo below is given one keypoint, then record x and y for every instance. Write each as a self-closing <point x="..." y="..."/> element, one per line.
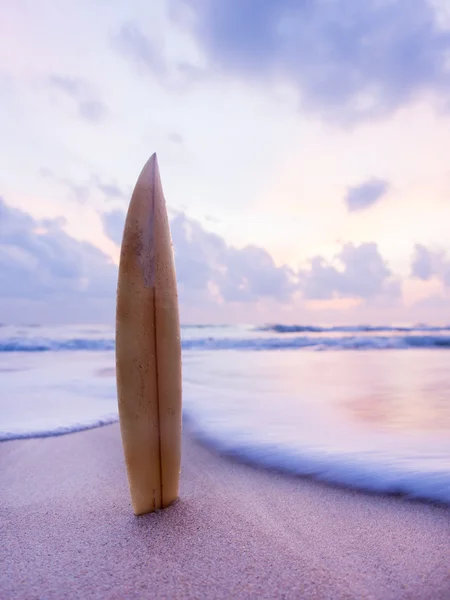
<point x="67" y="531"/>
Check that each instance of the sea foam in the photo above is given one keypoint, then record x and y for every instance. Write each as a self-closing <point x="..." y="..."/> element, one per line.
<point x="377" y="421"/>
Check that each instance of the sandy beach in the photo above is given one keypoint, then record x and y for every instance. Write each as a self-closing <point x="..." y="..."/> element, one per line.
<point x="68" y="531"/>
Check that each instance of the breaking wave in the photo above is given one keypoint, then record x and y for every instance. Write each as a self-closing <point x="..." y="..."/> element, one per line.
<point x="317" y="343"/>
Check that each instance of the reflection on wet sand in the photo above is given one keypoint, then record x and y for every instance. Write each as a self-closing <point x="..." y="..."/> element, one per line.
<point x="362" y="386"/>
<point x="424" y="410"/>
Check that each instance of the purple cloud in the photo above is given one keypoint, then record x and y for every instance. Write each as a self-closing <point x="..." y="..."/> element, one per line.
<point x="69" y="85"/>
<point x="43" y="266"/>
<point x="175" y="137"/>
<point x="203" y="259"/>
<point x="113" y="224"/>
<point x="426" y="264"/>
<point x="140" y="48"/>
<point x="89" y="108"/>
<point x="110" y="190"/>
<point x="421" y="266"/>
<point x="366" y="194"/>
<point x="252" y="274"/>
<point x="40" y="262"/>
<point x="92" y="110"/>
<point x="363" y="273"/>
<point x="348" y="60"/>
<point x="144" y="53"/>
<point x="81" y="192"/>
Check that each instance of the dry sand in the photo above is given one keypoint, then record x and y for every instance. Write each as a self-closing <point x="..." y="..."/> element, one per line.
<point x="67" y="531"/>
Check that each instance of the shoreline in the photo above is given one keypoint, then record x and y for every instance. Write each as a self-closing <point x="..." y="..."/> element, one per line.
<point x="236" y="532"/>
<point x="244" y="458"/>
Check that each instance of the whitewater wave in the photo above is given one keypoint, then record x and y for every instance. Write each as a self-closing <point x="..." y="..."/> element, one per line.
<point x="50" y="394"/>
<point x="317" y="343"/>
<point x="280" y="328"/>
<point x="315" y="417"/>
<point x="376" y="474"/>
<point x="55" y="431"/>
<point x="47" y="344"/>
<point x="321" y="343"/>
<point x="376" y="422"/>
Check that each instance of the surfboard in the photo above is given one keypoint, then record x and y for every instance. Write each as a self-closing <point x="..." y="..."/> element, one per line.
<point x="148" y="348"/>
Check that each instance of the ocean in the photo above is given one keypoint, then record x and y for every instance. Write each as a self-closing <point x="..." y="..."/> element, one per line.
<point x="365" y="407"/>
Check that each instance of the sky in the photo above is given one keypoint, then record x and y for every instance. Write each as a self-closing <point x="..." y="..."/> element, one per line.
<point x="303" y="147"/>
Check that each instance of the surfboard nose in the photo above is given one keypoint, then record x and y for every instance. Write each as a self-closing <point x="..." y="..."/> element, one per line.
<point x="150" y="171"/>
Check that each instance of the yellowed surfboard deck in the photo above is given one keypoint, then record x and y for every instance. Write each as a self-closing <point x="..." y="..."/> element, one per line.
<point x="148" y="348"/>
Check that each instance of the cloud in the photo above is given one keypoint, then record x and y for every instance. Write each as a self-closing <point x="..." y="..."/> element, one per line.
<point x="175" y="137"/>
<point x="40" y="263"/>
<point x="209" y="269"/>
<point x="58" y="278"/>
<point x="146" y="50"/>
<point x="113" y="223"/>
<point x="207" y="266"/>
<point x="43" y="266"/>
<point x="46" y="173"/>
<point x="92" y="110"/>
<point x="425" y="264"/>
<point x="141" y="49"/>
<point x="366" y="194"/>
<point x="348" y="60"/>
<point x="252" y="275"/>
<point x="110" y="190"/>
<point x="72" y="87"/>
<point x="82" y="192"/>
<point x="89" y="108"/>
<point x="421" y="266"/>
<point x="362" y="273"/>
